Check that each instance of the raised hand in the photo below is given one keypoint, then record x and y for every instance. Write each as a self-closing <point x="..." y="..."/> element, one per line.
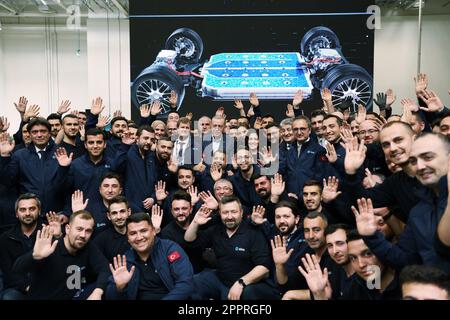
<point x="202" y="216"/>
<point x="64" y="107"/>
<point x="4" y="124"/>
<point x="220" y="112"/>
<point x="157" y="215"/>
<point x="390" y="97"/>
<point x="366" y="221"/>
<point x="361" y="116"/>
<point x="330" y="189"/>
<point x="200" y="167"/>
<point x="369" y="176"/>
<point x="355" y="154"/>
<point x="172" y="165"/>
<point x="266" y="156"/>
<point x="97" y="106"/>
<point x="290" y="111"/>
<point x="173" y="99"/>
<point x="156" y="108"/>
<point x="254" y="100"/>
<point x="144" y="110"/>
<point x="127" y="138"/>
<point x="406" y="115"/>
<point x="82" y="132"/>
<point x="421" y="83"/>
<point x="120" y="272"/>
<point x="346" y="134"/>
<point x="432" y="100"/>
<point x="238" y="104"/>
<point x="216" y="172"/>
<point x="103" y="121"/>
<point x="258" y="123"/>
<point x="189" y="115"/>
<point x="7" y="144"/>
<point x="21" y="106"/>
<point x="298" y="98"/>
<point x="280" y="253"/>
<point x="44" y="247"/>
<point x="117" y="113"/>
<point x="251" y="112"/>
<point x="54" y="222"/>
<point x="277" y="185"/>
<point x="316" y="279"/>
<point x="31" y="112"/>
<point x="381" y="100"/>
<point x="193" y="191"/>
<point x="326" y="95"/>
<point x="78" y="202"/>
<point x="331" y="153"/>
<point x="258" y="214"/>
<point x="160" y="190"/>
<point x="63" y="158"/>
<point x="209" y="200"/>
<point x="411" y="105"/>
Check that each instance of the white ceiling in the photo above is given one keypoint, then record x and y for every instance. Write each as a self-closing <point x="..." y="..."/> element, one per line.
<point x="410" y="7"/>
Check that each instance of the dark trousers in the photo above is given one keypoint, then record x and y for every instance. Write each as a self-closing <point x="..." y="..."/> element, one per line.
<point x="208" y="286"/>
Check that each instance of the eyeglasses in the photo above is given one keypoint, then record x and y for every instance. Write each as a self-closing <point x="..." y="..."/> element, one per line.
<point x="371" y="131"/>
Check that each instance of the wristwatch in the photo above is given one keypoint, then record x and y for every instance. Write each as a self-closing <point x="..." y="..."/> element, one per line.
<point x="242" y="283"/>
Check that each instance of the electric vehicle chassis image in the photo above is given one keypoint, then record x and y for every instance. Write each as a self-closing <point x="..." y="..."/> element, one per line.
<point x="271" y="75"/>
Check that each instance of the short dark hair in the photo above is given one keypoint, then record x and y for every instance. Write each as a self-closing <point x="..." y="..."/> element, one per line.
<point x="288" y="204"/>
<point x="184" y="120"/>
<point x="83" y="214"/>
<point x="310" y="183"/>
<point x="229" y="199"/>
<point x="118" y="199"/>
<point x="338" y="120"/>
<point x="316" y="214"/>
<point x="165" y="138"/>
<point x="112" y="175"/>
<point x="27" y="196"/>
<point x="273" y="124"/>
<point x="332" y="228"/>
<point x="54" y="116"/>
<point x="118" y="119"/>
<point x="94" y="132"/>
<point x="181" y="195"/>
<point x="143" y="128"/>
<point x="304" y="118"/>
<point x="133" y="125"/>
<point x="185" y="167"/>
<point x="425" y="275"/>
<point x="71" y="116"/>
<point x="39" y="121"/>
<point x="353" y="235"/>
<point x="318" y="112"/>
<point x="138" y="217"/>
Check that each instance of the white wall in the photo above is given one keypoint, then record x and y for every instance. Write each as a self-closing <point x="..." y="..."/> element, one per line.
<point x="395" y="58"/>
<point x="42" y="64"/>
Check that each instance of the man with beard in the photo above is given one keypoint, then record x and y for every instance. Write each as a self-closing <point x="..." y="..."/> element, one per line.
<point x="314" y="226"/>
<point x="20" y="240"/>
<point x="55" y="123"/>
<point x="152" y="269"/>
<point x="368" y="270"/>
<point x="398" y="189"/>
<point x="429" y="156"/>
<point x="243" y="178"/>
<point x="113" y="241"/>
<point x="52" y="263"/>
<point x="269" y="191"/>
<point x="71" y="141"/>
<point x="336" y="239"/>
<point x="243" y="256"/>
<point x="214" y="172"/>
<point x="175" y="230"/>
<point x="139" y="170"/>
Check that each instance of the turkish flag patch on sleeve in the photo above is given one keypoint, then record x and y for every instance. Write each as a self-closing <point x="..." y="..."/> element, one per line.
<point x="323" y="158"/>
<point x="174" y="256"/>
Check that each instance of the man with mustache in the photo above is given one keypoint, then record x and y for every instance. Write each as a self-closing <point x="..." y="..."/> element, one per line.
<point x="112" y="240"/>
<point x="429" y="158"/>
<point x="243" y="255"/>
<point x="17" y="241"/>
<point x="60" y="268"/>
<point x="175" y="230"/>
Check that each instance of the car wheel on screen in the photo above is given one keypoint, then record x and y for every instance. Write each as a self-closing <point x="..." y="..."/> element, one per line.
<point x="349" y="82"/>
<point x="187" y="43"/>
<point x="156" y="83"/>
<point x="318" y="38"/>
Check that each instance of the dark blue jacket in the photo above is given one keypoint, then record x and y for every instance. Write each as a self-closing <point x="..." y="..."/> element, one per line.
<point x="244" y="189"/>
<point x="297" y="170"/>
<point x="177" y="275"/>
<point x="45" y="177"/>
<point x="416" y="243"/>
